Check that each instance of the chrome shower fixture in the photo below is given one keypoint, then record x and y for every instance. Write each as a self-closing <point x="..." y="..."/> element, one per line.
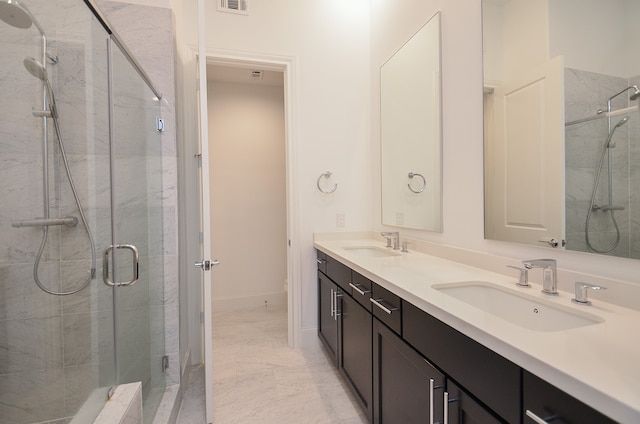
<point x="37" y="69"/>
<point x="17" y="15"/>
<point x="633" y="96"/>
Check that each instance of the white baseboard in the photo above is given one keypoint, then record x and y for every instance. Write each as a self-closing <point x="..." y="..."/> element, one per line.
<point x="308" y="338"/>
<point x="234" y="303"/>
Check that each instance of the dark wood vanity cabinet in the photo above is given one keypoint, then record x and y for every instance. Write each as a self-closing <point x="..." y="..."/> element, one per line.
<point x="399" y="361"/>
<point x="355" y="351"/>
<point x="327" y="317"/>
<point x="491" y="378"/>
<point x="551" y="404"/>
<point x="344" y="327"/>
<point x="462" y="408"/>
<point x="405" y="385"/>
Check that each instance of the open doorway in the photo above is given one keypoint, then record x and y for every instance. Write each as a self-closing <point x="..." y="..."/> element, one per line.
<point x="247" y="163"/>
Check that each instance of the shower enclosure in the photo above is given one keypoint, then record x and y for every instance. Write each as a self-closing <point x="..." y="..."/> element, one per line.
<point x="602" y="141"/>
<point x="81" y="216"/>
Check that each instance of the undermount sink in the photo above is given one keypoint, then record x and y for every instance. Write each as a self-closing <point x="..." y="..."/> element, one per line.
<point x="518" y="308"/>
<point x="371" y="251"/>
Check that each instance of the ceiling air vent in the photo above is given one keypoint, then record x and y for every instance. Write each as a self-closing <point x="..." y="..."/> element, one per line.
<point x="234" y="6"/>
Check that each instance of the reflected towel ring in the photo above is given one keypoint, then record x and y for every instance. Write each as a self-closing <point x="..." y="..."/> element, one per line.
<point x="326" y="175"/>
<point x="424" y="182"/>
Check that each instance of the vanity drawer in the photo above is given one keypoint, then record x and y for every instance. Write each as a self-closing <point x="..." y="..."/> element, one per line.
<point x="386" y="307"/>
<point x="493" y="380"/>
<point x="544" y="400"/>
<point x="339" y="273"/>
<point x="321" y="260"/>
<point x="361" y="290"/>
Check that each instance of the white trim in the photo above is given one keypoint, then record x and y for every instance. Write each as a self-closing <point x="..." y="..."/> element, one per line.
<point x="270" y="300"/>
<point x="287" y="65"/>
<point x="206" y="213"/>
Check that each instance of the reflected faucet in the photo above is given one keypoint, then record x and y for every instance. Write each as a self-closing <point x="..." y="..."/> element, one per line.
<point x="396" y="239"/>
<point x="549" y="273"/>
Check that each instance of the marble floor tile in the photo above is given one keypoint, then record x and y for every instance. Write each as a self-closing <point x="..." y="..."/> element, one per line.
<point x="258" y="379"/>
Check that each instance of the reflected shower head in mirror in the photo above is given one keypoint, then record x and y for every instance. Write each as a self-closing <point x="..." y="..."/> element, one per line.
<point x="14" y="14"/>
<point x="633" y="96"/>
<point x="626" y="118"/>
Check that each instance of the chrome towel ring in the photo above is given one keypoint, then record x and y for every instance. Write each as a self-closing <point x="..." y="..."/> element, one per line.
<point x="424" y="182"/>
<point x="326" y="175"/>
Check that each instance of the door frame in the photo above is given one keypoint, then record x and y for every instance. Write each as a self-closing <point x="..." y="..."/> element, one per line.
<point x="287" y="66"/>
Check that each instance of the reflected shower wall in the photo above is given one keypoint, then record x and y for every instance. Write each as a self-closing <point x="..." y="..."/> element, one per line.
<point x="585" y="94"/>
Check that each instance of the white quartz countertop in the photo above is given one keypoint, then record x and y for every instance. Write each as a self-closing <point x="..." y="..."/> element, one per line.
<point x="598" y="364"/>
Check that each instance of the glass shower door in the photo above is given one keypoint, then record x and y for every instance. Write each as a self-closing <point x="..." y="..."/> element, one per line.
<point x="137" y="250"/>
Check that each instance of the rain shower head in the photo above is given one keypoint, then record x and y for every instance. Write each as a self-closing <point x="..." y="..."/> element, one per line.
<point x="633" y="96"/>
<point x="14" y="14"/>
<point x="18" y="15"/>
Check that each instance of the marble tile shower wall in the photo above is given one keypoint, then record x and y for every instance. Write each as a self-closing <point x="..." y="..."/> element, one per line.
<point x="54" y="351"/>
<point x="585" y="94"/>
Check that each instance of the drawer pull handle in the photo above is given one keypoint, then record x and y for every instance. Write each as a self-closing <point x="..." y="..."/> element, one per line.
<point x="359" y="290"/>
<point x="447" y="401"/>
<point x="321" y="261"/>
<point x="539" y="420"/>
<point x="378" y="303"/>
<point x="333" y="299"/>
<point x="432" y="388"/>
<point x="336" y="295"/>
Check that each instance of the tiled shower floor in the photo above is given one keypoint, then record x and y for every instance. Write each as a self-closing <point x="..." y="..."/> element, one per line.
<point x="258" y="379"/>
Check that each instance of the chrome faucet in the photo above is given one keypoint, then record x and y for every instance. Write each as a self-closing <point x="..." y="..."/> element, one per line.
<point x="549" y="273"/>
<point x="581" y="292"/>
<point x="396" y="239"/>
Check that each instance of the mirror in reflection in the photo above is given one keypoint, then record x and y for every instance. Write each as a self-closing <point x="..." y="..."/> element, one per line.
<point x="562" y="127"/>
<point x="411" y="133"/>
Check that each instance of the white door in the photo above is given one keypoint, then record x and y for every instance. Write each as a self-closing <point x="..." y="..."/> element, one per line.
<point x="528" y="164"/>
<point x="206" y="213"/>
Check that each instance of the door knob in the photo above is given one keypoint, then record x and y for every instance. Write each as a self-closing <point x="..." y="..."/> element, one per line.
<point x="206" y="264"/>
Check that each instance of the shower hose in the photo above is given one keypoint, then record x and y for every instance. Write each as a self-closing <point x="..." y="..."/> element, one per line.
<point x="36" y="265"/>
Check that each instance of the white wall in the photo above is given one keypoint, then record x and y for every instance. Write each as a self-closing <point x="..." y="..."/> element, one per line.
<point x="248" y="204"/>
<point x="517" y="38"/>
<point x="578" y="28"/>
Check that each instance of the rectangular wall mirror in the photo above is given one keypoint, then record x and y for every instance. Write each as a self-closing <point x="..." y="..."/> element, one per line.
<point x="562" y="127"/>
<point x="411" y="140"/>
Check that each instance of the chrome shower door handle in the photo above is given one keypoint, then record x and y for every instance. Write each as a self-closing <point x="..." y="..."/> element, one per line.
<point x="105" y="265"/>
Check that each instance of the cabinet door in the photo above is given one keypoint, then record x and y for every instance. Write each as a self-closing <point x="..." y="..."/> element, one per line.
<point x="463" y="409"/>
<point x="491" y="378"/>
<point x="327" y="316"/>
<point x="355" y="360"/>
<point x="402" y="381"/>
<point x="551" y="404"/>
